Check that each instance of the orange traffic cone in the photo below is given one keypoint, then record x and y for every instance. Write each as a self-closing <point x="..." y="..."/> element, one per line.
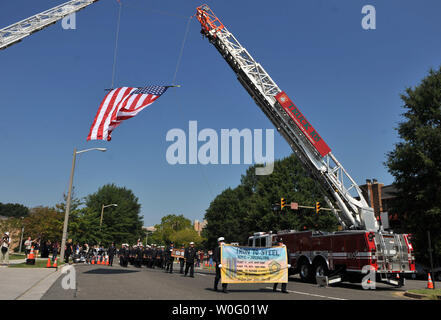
<point x="55" y="263"/>
<point x="107" y="261"/>
<point x="98" y="261"/>
<point x="92" y="260"/>
<point x="31" y="255"/>
<point x="429" y="283"/>
<point x="48" y="264"/>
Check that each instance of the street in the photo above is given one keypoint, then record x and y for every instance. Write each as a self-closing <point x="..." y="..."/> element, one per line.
<point x="114" y="283"/>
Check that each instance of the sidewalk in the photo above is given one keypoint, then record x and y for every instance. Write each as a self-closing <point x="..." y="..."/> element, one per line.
<point x="26" y="283"/>
<point x="17" y="261"/>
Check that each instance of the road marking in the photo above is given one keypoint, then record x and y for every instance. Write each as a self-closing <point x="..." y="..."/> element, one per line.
<point x="312" y="294"/>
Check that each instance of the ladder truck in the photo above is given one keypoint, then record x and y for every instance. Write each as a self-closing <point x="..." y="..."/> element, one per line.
<point x="336" y="256"/>
<point x="22" y="29"/>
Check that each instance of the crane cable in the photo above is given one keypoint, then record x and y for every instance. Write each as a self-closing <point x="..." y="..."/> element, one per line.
<point x="116" y="44"/>
<point x="178" y="63"/>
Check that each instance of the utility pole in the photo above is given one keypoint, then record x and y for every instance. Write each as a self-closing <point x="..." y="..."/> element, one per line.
<point x="66" y="214"/>
<point x="431" y="260"/>
<point x="22" y="231"/>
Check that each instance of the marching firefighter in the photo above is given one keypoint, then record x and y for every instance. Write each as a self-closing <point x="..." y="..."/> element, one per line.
<point x="124" y="256"/>
<point x="145" y="253"/>
<point x="190" y="255"/>
<point x="182" y="261"/>
<point x="138" y="255"/>
<point x="169" y="258"/>
<point x="280" y="243"/>
<point x="153" y="254"/>
<point x="132" y="254"/>
<point x="217" y="260"/>
<point x="161" y="257"/>
<point x="112" y="252"/>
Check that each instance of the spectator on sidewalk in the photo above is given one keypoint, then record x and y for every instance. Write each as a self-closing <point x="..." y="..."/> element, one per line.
<point x="210" y="258"/>
<point x="55" y="247"/>
<point x="4" y="252"/>
<point x="198" y="255"/>
<point x="36" y="247"/>
<point x="201" y="258"/>
<point x="68" y="251"/>
<point x="28" y="245"/>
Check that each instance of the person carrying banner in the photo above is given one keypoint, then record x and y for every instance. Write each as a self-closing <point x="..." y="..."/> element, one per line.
<point x="218" y="262"/>
<point x="182" y="261"/>
<point x="190" y="255"/>
<point x="280" y="244"/>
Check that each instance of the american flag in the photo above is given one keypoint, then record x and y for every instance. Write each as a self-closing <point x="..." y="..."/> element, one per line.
<point x="121" y="104"/>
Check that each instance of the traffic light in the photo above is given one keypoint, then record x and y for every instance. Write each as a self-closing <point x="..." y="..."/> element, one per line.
<point x="282" y="203"/>
<point x="318" y="206"/>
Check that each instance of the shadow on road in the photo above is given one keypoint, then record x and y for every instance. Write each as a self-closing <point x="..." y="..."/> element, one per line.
<point x="261" y="290"/>
<point x="348" y="285"/>
<point x="109" y="271"/>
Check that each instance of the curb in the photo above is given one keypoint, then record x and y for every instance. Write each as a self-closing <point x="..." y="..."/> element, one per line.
<point x="418" y="296"/>
<point x="41" y="287"/>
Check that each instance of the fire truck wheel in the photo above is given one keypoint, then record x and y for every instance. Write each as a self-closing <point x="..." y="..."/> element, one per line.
<point x="305" y="271"/>
<point x="320" y="268"/>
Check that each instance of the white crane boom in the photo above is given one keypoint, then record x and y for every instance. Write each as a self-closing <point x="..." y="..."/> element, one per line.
<point x="19" y="30"/>
<point x="313" y="152"/>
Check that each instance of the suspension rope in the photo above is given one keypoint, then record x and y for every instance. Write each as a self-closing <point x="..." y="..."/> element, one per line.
<point x="178" y="63"/>
<point x="116" y="44"/>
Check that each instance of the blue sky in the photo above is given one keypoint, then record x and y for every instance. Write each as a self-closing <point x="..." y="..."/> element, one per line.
<point x="347" y="81"/>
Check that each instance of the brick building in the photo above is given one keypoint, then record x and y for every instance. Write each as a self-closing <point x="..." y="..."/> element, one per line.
<point x="379" y="197"/>
<point x="198" y="226"/>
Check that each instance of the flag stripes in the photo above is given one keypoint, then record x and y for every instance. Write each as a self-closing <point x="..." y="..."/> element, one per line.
<point x="121" y="104"/>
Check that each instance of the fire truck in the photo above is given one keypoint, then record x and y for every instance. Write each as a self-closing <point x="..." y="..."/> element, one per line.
<point x="337" y="256"/>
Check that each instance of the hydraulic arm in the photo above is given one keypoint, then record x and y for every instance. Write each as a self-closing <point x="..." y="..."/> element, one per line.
<point x="304" y="140"/>
<point x="19" y="30"/>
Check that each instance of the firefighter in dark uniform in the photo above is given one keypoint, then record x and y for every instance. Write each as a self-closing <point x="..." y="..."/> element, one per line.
<point x="190" y="255"/>
<point x="111" y="252"/>
<point x="161" y="257"/>
<point x="131" y="254"/>
<point x="120" y="255"/>
<point x="148" y="255"/>
<point x="217" y="260"/>
<point x="153" y="260"/>
<point x="280" y="243"/>
<point x="169" y="258"/>
<point x="124" y="256"/>
<point x="182" y="262"/>
<point x="139" y="253"/>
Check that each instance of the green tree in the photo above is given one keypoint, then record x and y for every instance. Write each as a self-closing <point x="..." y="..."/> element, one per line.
<point x="121" y="224"/>
<point x="13" y="210"/>
<point x="169" y="226"/>
<point x="415" y="164"/>
<point x="45" y="223"/>
<point x="76" y="226"/>
<point x="185" y="236"/>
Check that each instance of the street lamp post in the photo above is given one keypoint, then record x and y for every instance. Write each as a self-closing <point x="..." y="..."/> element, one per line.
<point x="22" y="230"/>
<point x="69" y="195"/>
<point x="102" y="212"/>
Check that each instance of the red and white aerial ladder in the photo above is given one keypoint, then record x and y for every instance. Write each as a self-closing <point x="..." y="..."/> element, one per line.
<point x="352" y="211"/>
<point x="19" y="30"/>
